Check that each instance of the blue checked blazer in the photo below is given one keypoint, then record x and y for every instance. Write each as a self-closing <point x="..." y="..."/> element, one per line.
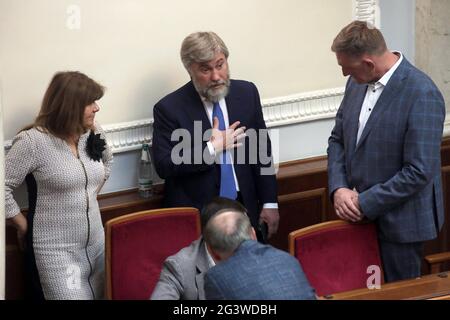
<point x="396" y="165"/>
<point x="258" y="272"/>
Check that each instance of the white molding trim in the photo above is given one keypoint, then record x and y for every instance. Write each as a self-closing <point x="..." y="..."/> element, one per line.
<point x="367" y="10"/>
<point x="302" y="107"/>
<point x="123" y="136"/>
<point x="7" y="145"/>
<point x="280" y="111"/>
<point x="289" y="110"/>
<point x="127" y="136"/>
<point x="446" y="132"/>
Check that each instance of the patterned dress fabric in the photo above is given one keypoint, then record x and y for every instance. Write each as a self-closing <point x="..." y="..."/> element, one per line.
<point x="66" y="229"/>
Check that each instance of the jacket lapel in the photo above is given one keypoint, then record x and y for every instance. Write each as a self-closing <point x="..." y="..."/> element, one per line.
<point x="354" y="115"/>
<point x="195" y="108"/>
<point x="233" y="106"/>
<point x="385" y="99"/>
<point x="202" y="266"/>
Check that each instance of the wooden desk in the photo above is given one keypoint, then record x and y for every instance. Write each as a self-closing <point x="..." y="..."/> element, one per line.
<point x="430" y="287"/>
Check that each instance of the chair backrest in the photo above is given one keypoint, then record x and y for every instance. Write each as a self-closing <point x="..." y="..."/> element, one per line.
<point x="335" y="255"/>
<point x="137" y="245"/>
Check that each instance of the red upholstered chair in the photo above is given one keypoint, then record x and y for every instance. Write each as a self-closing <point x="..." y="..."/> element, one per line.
<point x="137" y="245"/>
<point x="335" y="255"/>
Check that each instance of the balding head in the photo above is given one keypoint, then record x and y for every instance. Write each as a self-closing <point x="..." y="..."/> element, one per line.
<point x="226" y="231"/>
<point x="218" y="205"/>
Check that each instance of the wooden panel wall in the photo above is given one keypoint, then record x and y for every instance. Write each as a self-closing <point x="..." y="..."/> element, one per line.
<point x="303" y="201"/>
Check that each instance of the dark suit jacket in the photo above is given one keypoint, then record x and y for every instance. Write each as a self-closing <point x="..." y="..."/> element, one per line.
<point x="188" y="184"/>
<point x="396" y="164"/>
<point x="257" y="272"/>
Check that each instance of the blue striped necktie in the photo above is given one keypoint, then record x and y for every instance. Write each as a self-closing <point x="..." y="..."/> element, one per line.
<point x="227" y="183"/>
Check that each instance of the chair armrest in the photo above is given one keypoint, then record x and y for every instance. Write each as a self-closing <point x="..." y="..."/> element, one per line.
<point x="435" y="261"/>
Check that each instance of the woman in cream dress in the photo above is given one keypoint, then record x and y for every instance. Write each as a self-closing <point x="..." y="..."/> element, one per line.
<point x="64" y="159"/>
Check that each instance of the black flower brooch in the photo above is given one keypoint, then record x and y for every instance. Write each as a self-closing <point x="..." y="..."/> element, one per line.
<point x="95" y="146"/>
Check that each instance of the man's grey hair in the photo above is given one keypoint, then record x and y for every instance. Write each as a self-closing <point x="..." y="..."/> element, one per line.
<point x="201" y="47"/>
<point x="226" y="238"/>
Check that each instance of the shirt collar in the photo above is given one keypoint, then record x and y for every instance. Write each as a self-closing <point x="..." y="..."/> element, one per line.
<point x="385" y="78"/>
<point x="209" y="104"/>
<point x="210" y="259"/>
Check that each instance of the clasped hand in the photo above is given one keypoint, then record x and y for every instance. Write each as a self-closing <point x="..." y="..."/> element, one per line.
<point x="346" y="205"/>
<point x="228" y="138"/>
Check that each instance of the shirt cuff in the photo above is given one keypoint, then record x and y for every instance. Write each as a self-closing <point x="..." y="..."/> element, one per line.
<point x="211" y="149"/>
<point x="270" y="206"/>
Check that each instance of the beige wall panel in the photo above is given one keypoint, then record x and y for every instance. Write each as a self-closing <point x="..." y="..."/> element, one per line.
<point x="132" y="47"/>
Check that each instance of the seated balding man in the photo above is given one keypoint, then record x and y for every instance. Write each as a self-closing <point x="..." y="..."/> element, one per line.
<point x="182" y="274"/>
<point x="246" y="269"/>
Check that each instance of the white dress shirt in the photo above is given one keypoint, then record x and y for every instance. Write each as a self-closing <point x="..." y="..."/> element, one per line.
<point x="209" y="258"/>
<point x="209" y="111"/>
<point x="373" y="92"/>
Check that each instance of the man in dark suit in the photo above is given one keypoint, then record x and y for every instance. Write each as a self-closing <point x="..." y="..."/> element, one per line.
<point x="384" y="151"/>
<point x="246" y="269"/>
<point x="199" y="144"/>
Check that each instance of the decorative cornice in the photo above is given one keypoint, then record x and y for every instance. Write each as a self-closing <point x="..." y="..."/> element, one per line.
<point x="289" y="110"/>
<point x="7" y="144"/>
<point x="302" y="107"/>
<point x="124" y="136"/>
<point x="367" y="10"/>
<point x="293" y="109"/>
<point x="447" y="126"/>
<point x="127" y="136"/>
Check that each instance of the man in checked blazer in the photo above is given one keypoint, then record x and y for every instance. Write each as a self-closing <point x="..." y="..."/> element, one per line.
<point x="246" y="269"/>
<point x="384" y="151"/>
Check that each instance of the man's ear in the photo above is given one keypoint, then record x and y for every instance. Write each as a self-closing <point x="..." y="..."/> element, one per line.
<point x="368" y="63"/>
<point x="217" y="258"/>
<point x="253" y="234"/>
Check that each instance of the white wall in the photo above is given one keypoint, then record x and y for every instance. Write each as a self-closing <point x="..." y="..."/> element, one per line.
<point x="132" y="47"/>
<point x="398" y="25"/>
<point x="304" y="140"/>
<point x="433" y="35"/>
